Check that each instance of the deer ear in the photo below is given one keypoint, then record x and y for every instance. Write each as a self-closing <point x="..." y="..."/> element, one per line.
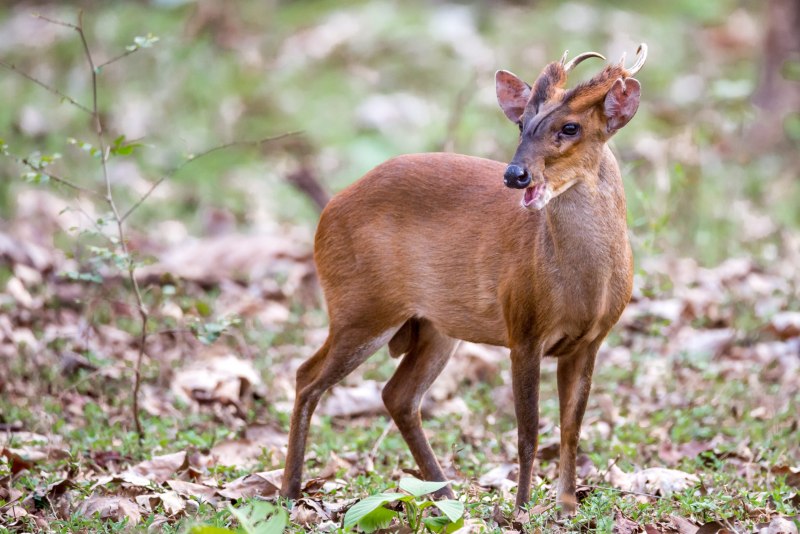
<point x="512" y="94"/>
<point x="621" y="103"/>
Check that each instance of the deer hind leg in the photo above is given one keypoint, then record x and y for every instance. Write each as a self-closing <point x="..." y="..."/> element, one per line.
<point x="574" y="382"/>
<point x="402" y="395"/>
<point x="343" y="351"/>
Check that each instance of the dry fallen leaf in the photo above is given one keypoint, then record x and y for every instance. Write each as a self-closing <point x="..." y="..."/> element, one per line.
<point x="308" y="511"/>
<point x="249" y="450"/>
<point x="15" y="512"/>
<point x="682" y="525"/>
<point x="654" y="480"/>
<point x="234" y="256"/>
<point x="160" y="468"/>
<point x="173" y="504"/>
<point x="237" y="453"/>
<point x="792" y="474"/>
<point x="500" y="477"/>
<point x="353" y="401"/>
<point x="715" y="527"/>
<point x="471" y="363"/>
<point x="779" y="525"/>
<point x="114" y="508"/>
<point x="16" y="461"/>
<point x="702" y="341"/>
<point x="17" y="290"/>
<point x="200" y="492"/>
<point x="127" y="478"/>
<point x="223" y="379"/>
<point x="672" y="454"/>
<point x="785" y="324"/>
<point x="623" y="525"/>
<point x="265" y="484"/>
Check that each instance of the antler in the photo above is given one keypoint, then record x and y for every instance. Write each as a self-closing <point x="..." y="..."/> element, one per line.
<point x="553" y="78"/>
<point x="577" y="60"/>
<point x="641" y="57"/>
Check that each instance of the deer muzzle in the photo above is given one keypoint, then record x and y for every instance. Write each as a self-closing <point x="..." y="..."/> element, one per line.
<point x="517" y="177"/>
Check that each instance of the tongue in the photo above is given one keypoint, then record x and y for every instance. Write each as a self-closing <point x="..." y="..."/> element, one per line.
<point x="533" y="193"/>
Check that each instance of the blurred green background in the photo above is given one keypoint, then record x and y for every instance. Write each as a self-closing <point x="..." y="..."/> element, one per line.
<point x="708" y="173"/>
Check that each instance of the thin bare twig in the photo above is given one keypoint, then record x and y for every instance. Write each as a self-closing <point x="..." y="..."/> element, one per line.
<point x="195" y="157"/>
<point x="58" y="179"/>
<point x="117" y="58"/>
<point x="57" y="22"/>
<point x="79" y="28"/>
<point x="11" y="503"/>
<point x="374" y="452"/>
<point x="40" y="83"/>
<point x="602" y="474"/>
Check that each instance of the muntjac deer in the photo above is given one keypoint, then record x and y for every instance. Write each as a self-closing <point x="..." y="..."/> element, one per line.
<point x="428" y="249"/>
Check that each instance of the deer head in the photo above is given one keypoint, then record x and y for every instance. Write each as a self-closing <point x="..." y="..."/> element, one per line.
<point x="563" y="131"/>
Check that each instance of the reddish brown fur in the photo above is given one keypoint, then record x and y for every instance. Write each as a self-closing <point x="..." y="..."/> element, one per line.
<point x="549" y="84"/>
<point x="589" y="93"/>
<point x="427" y="249"/>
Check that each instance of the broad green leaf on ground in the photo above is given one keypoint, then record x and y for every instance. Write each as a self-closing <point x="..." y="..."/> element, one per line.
<point x="442" y="524"/>
<point x="365" y="506"/>
<point x="378" y="518"/>
<point x="454" y="510"/>
<point x="417" y="487"/>
<point x="261" y="518"/>
<point x="208" y="529"/>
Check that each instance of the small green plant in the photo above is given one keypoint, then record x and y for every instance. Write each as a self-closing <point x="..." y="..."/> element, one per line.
<point x="258" y="517"/>
<point x="371" y="513"/>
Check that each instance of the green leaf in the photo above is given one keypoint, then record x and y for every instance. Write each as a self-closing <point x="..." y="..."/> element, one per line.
<point x="275" y="525"/>
<point x="35" y="177"/>
<point x="208" y="529"/>
<point x="417" y="487"/>
<point x="120" y="148"/>
<point x="454" y="510"/>
<point x="202" y="308"/>
<point x="441" y="524"/>
<point x="436" y="524"/>
<point x="378" y="518"/>
<point x="261" y="518"/>
<point x="363" y="507"/>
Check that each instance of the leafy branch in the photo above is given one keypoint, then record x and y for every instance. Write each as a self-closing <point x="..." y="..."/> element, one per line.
<point x="195" y="157"/>
<point x="38" y="169"/>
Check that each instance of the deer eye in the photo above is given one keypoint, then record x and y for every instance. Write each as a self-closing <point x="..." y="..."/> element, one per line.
<point x="570" y="129"/>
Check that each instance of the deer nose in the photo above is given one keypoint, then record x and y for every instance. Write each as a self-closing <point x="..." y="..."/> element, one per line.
<point x="516" y="177"/>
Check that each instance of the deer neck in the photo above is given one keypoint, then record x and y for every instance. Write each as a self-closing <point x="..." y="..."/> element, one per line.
<point x="585" y="222"/>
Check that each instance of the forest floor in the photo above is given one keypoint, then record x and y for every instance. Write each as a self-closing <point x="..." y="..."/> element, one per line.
<point x="692" y="419"/>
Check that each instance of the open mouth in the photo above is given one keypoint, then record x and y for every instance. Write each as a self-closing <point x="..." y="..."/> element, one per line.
<point x="536" y="196"/>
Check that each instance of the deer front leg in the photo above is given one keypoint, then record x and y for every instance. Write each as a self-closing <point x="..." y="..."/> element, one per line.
<point x="574" y="382"/>
<point x="525" y="366"/>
